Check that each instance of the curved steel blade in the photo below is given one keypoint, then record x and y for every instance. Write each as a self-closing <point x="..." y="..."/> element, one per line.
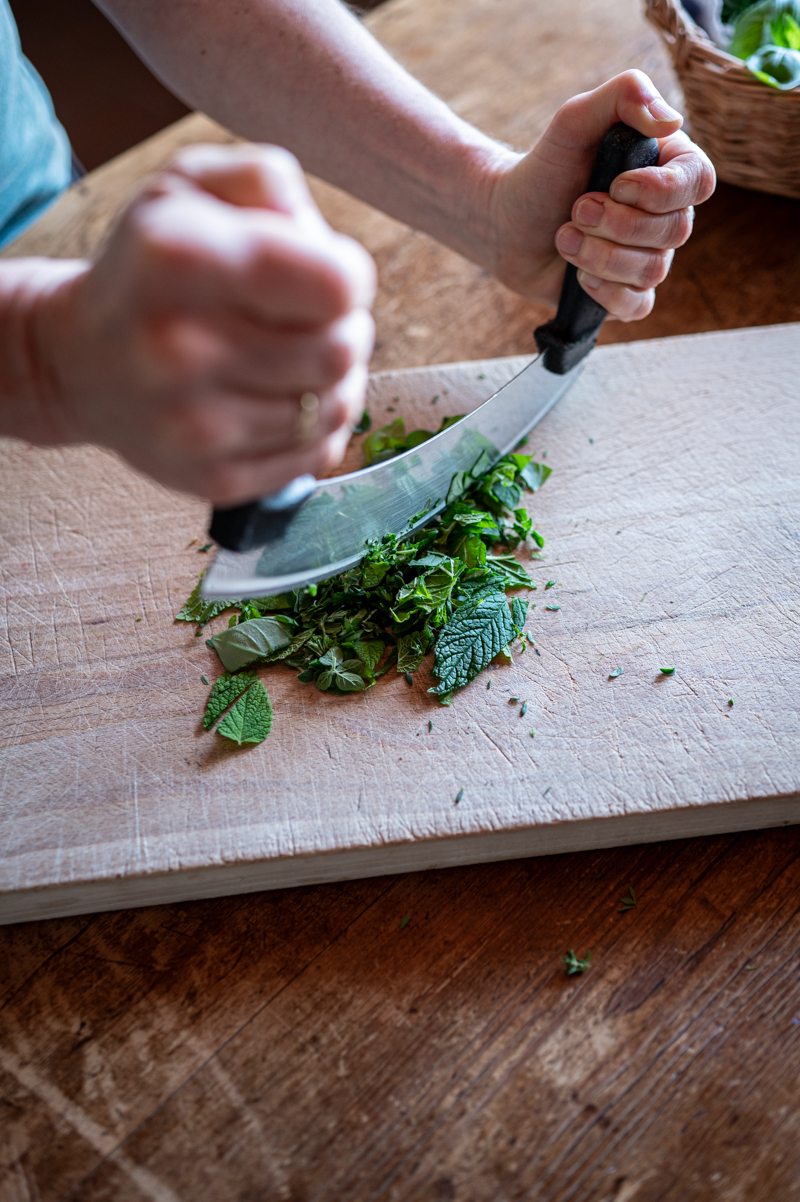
<point x="329" y="533"/>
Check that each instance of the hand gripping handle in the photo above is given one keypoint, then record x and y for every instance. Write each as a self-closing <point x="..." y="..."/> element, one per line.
<point x="573" y="331"/>
<point x="565" y="340"/>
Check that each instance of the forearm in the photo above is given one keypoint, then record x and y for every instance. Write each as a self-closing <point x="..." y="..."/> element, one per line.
<point x="31" y="299"/>
<point x="306" y="74"/>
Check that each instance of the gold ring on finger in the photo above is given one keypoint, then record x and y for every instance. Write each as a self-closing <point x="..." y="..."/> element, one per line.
<point x="308" y="417"/>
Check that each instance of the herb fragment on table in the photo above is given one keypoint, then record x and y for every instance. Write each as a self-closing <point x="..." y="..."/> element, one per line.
<point x="430" y="724"/>
<point x="628" y="902"/>
<point x="459" y="795"/>
<point x="250" y="719"/>
<point x="524" y="709"/>
<point x="207" y="547"/>
<point x="204" y="680"/>
<point x="533" y="732"/>
<point x="225" y="691"/>
<point x="363" y="424"/>
<point x="553" y="608"/>
<point x="547" y="790"/>
<point x="404" y="922"/>
<point x="666" y="671"/>
<point x="574" y="965"/>
<point x="615" y="673"/>
<point x="550" y="584"/>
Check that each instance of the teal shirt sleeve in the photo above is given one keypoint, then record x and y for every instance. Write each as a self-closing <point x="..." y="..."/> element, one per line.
<point x="35" y="156"/>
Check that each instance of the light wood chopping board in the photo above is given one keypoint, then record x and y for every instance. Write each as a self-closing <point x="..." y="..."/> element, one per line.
<point x="672" y="530"/>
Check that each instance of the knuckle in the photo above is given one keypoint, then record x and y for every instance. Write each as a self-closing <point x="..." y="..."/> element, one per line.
<point x="336" y="358"/>
<point x="655" y="269"/>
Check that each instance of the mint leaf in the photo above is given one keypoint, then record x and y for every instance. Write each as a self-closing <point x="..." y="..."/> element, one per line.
<point x="223" y="693"/>
<point x="339" y="673"/>
<point x="250" y="720"/>
<point x="411" y="648"/>
<point x="475" y="634"/>
<point x="535" y="474"/>
<point x="510" y="570"/>
<point x="257" y="639"/>
<point x="200" y="609"/>
<point x="369" y="651"/>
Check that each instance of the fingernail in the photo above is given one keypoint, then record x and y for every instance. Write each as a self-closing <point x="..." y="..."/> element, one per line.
<point x="590" y="212"/>
<point x="570" y="240"/>
<point x="589" y="281"/>
<point x="626" y="192"/>
<point x="662" y="111"/>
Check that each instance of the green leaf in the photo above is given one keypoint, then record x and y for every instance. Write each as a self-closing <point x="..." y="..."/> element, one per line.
<point x="411" y="648"/>
<point x="339" y="673"/>
<point x="364" y="423"/>
<point x="373" y="573"/>
<point x="765" y="24"/>
<point x="666" y="671"/>
<point x="475" y="634"/>
<point x="775" y="66"/>
<point x="534" y="474"/>
<point x="369" y="651"/>
<point x="385" y="442"/>
<point x="250" y="720"/>
<point x="511" y="570"/>
<point x="615" y="673"/>
<point x="574" y="965"/>
<point x="199" y="609"/>
<point x="224" y="692"/>
<point x="258" y="639"/>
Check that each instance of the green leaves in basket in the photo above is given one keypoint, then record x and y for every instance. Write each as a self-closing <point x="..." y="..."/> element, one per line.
<point x="767" y="37"/>
<point x="775" y="66"/>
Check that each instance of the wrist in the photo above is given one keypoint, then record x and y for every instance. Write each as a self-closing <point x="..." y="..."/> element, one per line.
<point x="36" y="299"/>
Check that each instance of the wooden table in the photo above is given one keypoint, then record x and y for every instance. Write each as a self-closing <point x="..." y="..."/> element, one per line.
<point x="304" y="1044"/>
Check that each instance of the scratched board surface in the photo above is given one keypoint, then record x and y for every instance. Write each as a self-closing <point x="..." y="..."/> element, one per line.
<point x="672" y="532"/>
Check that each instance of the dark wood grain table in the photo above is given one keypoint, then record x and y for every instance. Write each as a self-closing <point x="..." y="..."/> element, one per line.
<point x="417" y="1037"/>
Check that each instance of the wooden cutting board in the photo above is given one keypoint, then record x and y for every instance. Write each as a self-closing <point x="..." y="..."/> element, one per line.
<point x="672" y="531"/>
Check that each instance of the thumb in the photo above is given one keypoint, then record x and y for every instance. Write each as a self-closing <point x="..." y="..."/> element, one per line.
<point x="581" y="123"/>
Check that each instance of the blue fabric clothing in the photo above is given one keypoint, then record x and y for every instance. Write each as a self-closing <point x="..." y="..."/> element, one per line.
<point x="35" y="156"/>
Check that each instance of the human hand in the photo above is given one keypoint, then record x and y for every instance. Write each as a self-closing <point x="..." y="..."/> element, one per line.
<point x="622" y="243"/>
<point x="221" y="298"/>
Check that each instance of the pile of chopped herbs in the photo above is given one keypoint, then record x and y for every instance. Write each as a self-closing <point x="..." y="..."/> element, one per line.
<point x="441" y="588"/>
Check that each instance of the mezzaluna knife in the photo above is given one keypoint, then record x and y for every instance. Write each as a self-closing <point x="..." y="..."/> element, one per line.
<point x="312" y="529"/>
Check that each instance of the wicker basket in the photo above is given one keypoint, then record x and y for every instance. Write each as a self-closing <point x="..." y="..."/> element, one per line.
<point x="751" y="132"/>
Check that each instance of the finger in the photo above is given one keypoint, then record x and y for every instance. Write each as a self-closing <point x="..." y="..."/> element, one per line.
<point x="597" y="214"/>
<point x="249" y="176"/>
<point x="608" y="261"/>
<point x="236" y="479"/>
<point x="684" y="176"/>
<point x="622" y="303"/>
<point x="193" y="251"/>
<point x="271" y="361"/>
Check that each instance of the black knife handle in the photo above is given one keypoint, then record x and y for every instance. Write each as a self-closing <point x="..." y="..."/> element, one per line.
<point x="257" y="523"/>
<point x="573" y="331"/>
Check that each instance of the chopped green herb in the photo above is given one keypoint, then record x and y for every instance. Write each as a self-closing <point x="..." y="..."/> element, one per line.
<point x="204" y="680"/>
<point x="435" y="399"/>
<point x="553" y="608"/>
<point x="550" y="584"/>
<point x="459" y="795"/>
<point x="533" y="733"/>
<point x="363" y="424"/>
<point x="591" y="440"/>
<point x="666" y="671"/>
<point x="441" y="589"/>
<point x="138" y="619"/>
<point x="225" y="691"/>
<point x="730" y="701"/>
<point x="404" y="922"/>
<point x="524" y="709"/>
<point x="488" y="684"/>
<point x="207" y="547"/>
<point x="750" y="968"/>
<point x="250" y="719"/>
<point x="628" y="902"/>
<point x="574" y="965"/>
<point x="430" y="724"/>
<point x="615" y="673"/>
<point x="409" y="678"/>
